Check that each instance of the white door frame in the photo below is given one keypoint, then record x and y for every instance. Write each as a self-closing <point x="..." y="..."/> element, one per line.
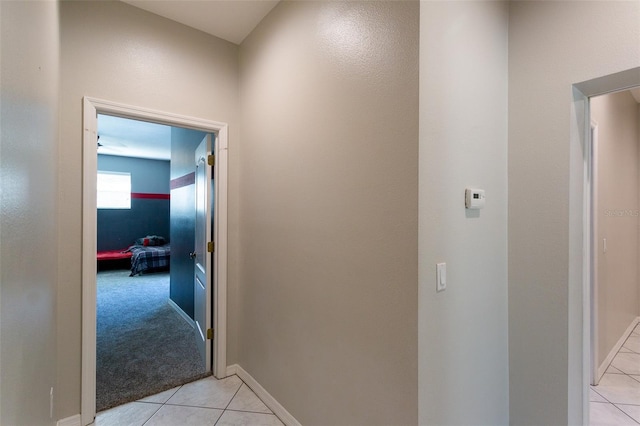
<point x="91" y="107"/>
<point x="593" y="241"/>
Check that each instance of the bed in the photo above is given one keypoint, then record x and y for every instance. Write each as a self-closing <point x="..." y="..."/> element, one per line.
<point x="113" y="255"/>
<point x="113" y="259"/>
<point x="149" y="258"/>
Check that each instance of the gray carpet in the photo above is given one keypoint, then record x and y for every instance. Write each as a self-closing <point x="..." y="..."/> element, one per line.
<point x="143" y="345"/>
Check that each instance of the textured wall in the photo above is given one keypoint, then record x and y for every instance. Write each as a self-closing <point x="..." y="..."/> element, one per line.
<point x="113" y="51"/>
<point x="552" y="45"/>
<point x="29" y="88"/>
<point x="328" y="304"/>
<point x="463" y="143"/>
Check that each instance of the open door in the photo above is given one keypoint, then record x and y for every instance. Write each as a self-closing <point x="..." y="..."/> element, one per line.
<point x="202" y="252"/>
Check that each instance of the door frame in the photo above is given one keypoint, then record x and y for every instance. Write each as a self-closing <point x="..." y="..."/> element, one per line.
<point x="594" y="244"/>
<point x="91" y="107"/>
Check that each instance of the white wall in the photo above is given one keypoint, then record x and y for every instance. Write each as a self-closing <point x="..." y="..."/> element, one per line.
<point x="113" y="51"/>
<point x="29" y="86"/>
<point x="463" y="353"/>
<point x="328" y="314"/>
<point x="617" y="216"/>
<point x="552" y="45"/>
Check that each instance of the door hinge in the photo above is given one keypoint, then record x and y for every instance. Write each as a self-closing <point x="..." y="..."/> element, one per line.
<point x="210" y="333"/>
<point x="211" y="160"/>
<point x="211" y="247"/>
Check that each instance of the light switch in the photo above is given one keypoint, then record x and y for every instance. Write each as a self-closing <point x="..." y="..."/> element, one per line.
<point x="441" y="277"/>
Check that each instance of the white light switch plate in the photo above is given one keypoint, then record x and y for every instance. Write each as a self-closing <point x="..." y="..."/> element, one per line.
<point x="441" y="277"/>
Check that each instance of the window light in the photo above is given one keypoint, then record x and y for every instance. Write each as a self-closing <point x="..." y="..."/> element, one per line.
<point x="114" y="190"/>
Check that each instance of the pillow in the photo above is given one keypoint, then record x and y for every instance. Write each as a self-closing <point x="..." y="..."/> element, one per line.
<point x="151" y="240"/>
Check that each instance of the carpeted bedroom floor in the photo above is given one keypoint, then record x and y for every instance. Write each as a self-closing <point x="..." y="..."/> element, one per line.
<point x="143" y="345"/>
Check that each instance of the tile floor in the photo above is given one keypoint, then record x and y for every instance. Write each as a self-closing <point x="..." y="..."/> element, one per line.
<point x="207" y="402"/>
<point x="616" y="399"/>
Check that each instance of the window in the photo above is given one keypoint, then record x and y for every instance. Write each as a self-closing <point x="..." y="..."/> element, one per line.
<point x="114" y="190"/>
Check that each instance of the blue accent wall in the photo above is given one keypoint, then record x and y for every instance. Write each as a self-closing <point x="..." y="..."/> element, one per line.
<point x="119" y="228"/>
<point x="183" y="145"/>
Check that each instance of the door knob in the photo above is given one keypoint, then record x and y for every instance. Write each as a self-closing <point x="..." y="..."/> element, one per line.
<point x="192" y="255"/>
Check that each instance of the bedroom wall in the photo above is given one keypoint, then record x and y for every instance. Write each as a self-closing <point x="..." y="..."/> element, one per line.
<point x="29" y="89"/>
<point x="618" y="287"/>
<point x="183" y="144"/>
<point x="552" y="45"/>
<point x="149" y="213"/>
<point x="329" y="97"/>
<point x="463" y="331"/>
<point x="113" y="51"/>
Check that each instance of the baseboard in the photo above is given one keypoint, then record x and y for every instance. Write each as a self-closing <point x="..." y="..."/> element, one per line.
<point x="265" y="396"/>
<point x="180" y="312"/>
<point x="70" y="421"/>
<point x="232" y="369"/>
<point x="607" y="361"/>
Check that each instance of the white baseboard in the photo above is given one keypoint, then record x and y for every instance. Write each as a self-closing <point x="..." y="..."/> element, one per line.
<point x="70" y="421"/>
<point x="180" y="312"/>
<point x="265" y="396"/>
<point x="607" y="361"/>
<point x="232" y="369"/>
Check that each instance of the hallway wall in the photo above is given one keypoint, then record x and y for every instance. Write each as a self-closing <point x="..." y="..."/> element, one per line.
<point x="463" y="143"/>
<point x="29" y="90"/>
<point x="618" y="188"/>
<point x="328" y="306"/>
<point x="114" y="51"/>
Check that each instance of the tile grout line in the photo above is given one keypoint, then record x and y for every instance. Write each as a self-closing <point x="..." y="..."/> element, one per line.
<point x="623" y="412"/>
<point x="622" y="373"/>
<point x="161" y="405"/>
<point x="229" y="403"/>
<point x="151" y="416"/>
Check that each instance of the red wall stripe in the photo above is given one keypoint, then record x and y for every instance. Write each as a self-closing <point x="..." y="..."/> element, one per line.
<point x="145" y="196"/>
<point x="188" y="179"/>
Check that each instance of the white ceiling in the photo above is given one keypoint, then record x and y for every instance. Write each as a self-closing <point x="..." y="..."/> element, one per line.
<point x="231" y="20"/>
<point x="131" y="138"/>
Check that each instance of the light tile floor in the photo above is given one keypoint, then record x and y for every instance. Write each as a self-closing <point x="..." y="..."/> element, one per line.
<point x="206" y="402"/>
<point x="616" y="399"/>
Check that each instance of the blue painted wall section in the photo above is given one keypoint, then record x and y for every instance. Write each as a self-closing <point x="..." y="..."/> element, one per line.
<point x="183" y="145"/>
<point x="148" y="216"/>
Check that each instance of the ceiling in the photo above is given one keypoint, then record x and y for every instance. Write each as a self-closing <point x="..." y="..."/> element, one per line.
<point x="231" y="20"/>
<point x="131" y="138"/>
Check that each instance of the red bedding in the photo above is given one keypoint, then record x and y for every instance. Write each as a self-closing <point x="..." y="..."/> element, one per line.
<point x="114" y="254"/>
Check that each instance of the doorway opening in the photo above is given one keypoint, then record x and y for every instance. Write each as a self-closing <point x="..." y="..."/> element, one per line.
<point x="615" y="250"/>
<point x="145" y="336"/>
<point x="583" y="242"/>
<point x="216" y="281"/>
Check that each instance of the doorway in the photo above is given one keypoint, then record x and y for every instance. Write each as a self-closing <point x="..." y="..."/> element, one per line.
<point x="145" y="328"/>
<point x="581" y="239"/>
<point x="218" y="279"/>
